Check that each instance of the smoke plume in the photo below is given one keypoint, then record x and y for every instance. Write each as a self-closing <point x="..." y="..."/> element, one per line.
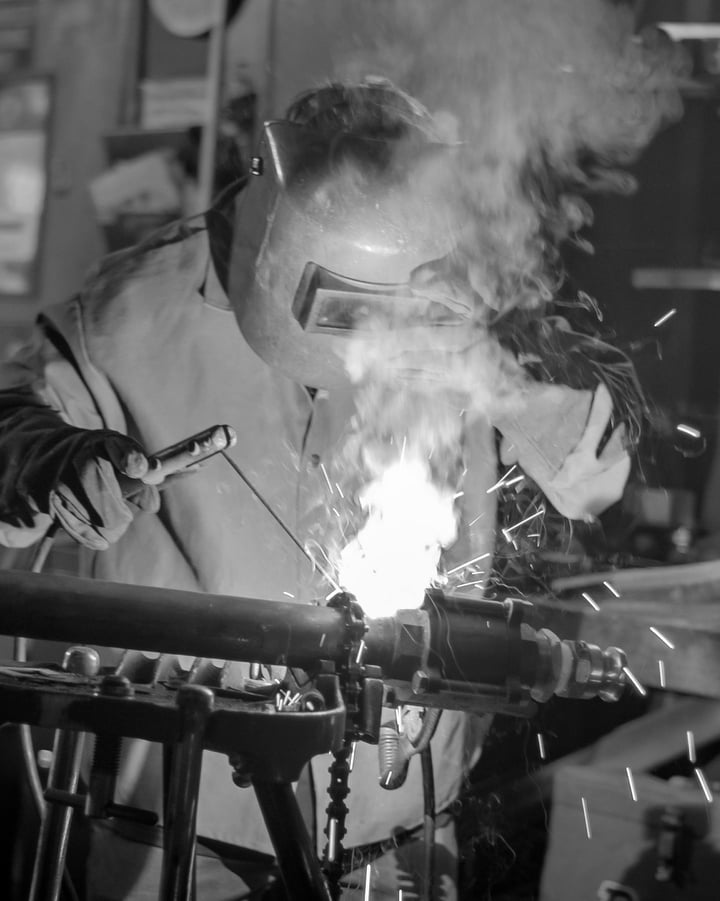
<point x="544" y="101"/>
<point x="545" y="96"/>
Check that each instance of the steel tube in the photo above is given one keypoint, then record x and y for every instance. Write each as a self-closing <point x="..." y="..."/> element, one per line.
<point x="65" y="608"/>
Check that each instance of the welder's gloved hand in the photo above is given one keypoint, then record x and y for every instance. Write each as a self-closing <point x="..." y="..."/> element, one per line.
<point x="75" y="476"/>
<point x="88" y="500"/>
<point x="555" y="437"/>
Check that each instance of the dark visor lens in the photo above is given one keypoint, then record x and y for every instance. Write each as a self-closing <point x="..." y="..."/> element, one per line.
<point x="332" y="303"/>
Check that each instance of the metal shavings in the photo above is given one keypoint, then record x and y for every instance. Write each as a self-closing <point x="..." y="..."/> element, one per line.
<point x="368" y="875"/>
<point x="327" y="478"/>
<point x="664" y="639"/>
<point x="501" y="480"/>
<point x="360" y="652"/>
<point x="688" y="430"/>
<point x="663" y="319"/>
<point x="541" y="745"/>
<point x="631" y="676"/>
<point x="467" y="563"/>
<point x="631" y="783"/>
<point x="588" y="830"/>
<point x="704" y="785"/>
<point x="506" y="532"/>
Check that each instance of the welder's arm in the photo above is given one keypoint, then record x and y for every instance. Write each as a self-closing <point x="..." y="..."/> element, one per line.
<point x="56" y="459"/>
<point x="555" y="436"/>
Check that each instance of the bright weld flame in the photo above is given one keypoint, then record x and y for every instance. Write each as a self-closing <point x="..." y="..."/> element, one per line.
<point x="394" y="558"/>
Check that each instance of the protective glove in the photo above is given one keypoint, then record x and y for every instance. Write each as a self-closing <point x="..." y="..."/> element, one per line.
<point x="554" y="437"/>
<point x="72" y="474"/>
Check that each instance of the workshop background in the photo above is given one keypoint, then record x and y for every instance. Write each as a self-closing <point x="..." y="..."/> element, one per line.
<point x="105" y="108"/>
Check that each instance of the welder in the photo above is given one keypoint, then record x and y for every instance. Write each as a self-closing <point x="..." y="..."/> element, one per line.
<point x="242" y="316"/>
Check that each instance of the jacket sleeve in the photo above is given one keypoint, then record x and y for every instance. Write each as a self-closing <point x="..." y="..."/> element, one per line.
<point x="45" y="408"/>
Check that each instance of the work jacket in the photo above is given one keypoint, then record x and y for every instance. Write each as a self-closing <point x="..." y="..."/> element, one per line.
<point x="150" y="347"/>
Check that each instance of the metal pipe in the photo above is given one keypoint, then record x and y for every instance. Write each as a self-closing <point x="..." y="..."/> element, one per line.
<point x="300" y="869"/>
<point x="65" y="608"/>
<point x="195" y="703"/>
<point x="63" y="780"/>
<point x="480" y="648"/>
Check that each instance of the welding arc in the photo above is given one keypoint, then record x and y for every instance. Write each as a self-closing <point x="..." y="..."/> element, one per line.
<point x="323" y="572"/>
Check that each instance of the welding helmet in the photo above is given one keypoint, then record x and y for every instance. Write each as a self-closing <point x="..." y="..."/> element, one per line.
<point x="349" y="210"/>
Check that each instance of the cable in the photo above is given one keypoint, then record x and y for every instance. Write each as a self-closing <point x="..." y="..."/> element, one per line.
<point x="428" y="782"/>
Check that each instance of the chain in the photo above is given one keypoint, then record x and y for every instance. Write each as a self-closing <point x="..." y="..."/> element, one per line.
<point x="350" y="672"/>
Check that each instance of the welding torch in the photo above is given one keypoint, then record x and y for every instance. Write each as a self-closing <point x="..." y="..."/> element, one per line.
<point x="451" y="653"/>
<point x="181" y="457"/>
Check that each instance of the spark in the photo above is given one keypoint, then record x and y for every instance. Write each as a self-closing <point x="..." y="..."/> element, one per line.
<point x="402" y="449"/>
<point x="476" y="520"/>
<point x="466" y="564"/>
<point x="513" y="481"/>
<point x="703" y="785"/>
<point x="664" y="318"/>
<point x="534" y="535"/>
<point x="588" y="830"/>
<point x="332" y="838"/>
<point x="388" y="777"/>
<point x="351" y="761"/>
<point x="611" y="589"/>
<point x="398" y="720"/>
<point x="322" y="639"/>
<point x="336" y="512"/>
<point x="688" y="430"/>
<point x="658" y="634"/>
<point x="368" y="874"/>
<point x="692" y="757"/>
<point x="339" y="491"/>
<point x="468" y="584"/>
<point x="360" y="652"/>
<point x="661" y="669"/>
<point x="327" y="478"/>
<point x="506" y="532"/>
<point x="541" y="745"/>
<point x="501" y="480"/>
<point x="590" y="601"/>
<point x="400" y="895"/>
<point x="631" y="783"/>
<point x="458" y="494"/>
<point x="333" y="594"/>
<point x="631" y="676"/>
<point x="288" y="595"/>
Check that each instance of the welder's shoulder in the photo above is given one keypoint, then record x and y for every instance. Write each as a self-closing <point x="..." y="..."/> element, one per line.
<point x="151" y="279"/>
